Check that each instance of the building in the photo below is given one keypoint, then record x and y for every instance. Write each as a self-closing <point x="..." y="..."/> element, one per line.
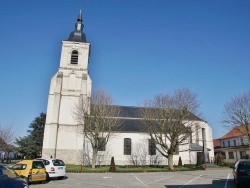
<point x="233" y="146"/>
<point x="61" y="139"/>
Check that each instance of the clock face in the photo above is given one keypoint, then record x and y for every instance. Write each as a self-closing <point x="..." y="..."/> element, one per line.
<point x="75" y="45"/>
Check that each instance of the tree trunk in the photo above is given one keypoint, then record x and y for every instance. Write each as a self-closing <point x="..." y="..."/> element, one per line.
<point x="94" y="158"/>
<point x="170" y="161"/>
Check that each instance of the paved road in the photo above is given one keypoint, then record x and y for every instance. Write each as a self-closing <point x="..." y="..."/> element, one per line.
<point x="214" y="178"/>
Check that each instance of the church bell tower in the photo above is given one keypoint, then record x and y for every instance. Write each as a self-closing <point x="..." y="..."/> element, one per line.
<point x="71" y="82"/>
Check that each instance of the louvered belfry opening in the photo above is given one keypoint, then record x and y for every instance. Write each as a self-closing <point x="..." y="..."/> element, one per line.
<point x="74" y="57"/>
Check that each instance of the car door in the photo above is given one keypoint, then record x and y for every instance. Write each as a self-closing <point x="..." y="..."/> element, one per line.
<point x="21" y="170"/>
<point x="38" y="171"/>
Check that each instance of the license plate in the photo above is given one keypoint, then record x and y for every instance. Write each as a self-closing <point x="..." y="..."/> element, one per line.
<point x="60" y="168"/>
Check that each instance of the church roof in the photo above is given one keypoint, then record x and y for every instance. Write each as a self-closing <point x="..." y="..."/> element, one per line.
<point x="197" y="147"/>
<point x="77" y="35"/>
<point x="132" y="121"/>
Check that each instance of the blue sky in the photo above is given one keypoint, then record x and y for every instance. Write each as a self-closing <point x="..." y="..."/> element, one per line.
<point x="139" y="48"/>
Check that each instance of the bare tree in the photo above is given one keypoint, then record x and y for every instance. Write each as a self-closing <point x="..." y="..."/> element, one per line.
<point x="167" y="120"/>
<point x="236" y="114"/>
<point x="139" y="153"/>
<point x="98" y="120"/>
<point x="6" y="137"/>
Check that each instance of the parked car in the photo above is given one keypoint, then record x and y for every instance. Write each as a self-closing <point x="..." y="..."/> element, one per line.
<point x="241" y="172"/>
<point x="55" y="168"/>
<point x="8" y="178"/>
<point x="31" y="170"/>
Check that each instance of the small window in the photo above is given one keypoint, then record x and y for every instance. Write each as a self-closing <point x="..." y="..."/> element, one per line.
<point x="151" y="147"/>
<point x="228" y="142"/>
<point x="223" y="144"/>
<point x="101" y="144"/>
<point x="191" y="139"/>
<point x="46" y="162"/>
<point x="127" y="146"/>
<point x="242" y="141"/>
<point x="234" y="142"/>
<point x="19" y="167"/>
<point x="37" y="164"/>
<point x="231" y="155"/>
<point x="74" y="57"/>
<point x="242" y="154"/>
<point x="57" y="162"/>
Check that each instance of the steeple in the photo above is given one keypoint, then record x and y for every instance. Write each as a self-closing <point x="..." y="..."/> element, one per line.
<point x="78" y="35"/>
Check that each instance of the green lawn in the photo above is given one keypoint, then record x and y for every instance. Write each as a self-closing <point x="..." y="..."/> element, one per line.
<point x="80" y="169"/>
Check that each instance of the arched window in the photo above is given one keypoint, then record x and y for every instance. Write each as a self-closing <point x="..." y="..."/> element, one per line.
<point x="151" y="147"/>
<point x="127" y="146"/>
<point x="74" y="57"/>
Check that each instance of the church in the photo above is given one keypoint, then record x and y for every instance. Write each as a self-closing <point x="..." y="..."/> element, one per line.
<point x="61" y="140"/>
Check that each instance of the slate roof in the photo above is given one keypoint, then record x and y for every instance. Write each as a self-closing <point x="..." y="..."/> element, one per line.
<point x="134" y="112"/>
<point x="197" y="147"/>
<point x="132" y="121"/>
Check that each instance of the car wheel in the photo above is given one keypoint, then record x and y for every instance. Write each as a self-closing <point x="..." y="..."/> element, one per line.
<point x="29" y="180"/>
<point x="61" y="177"/>
<point x="26" y="179"/>
<point x="47" y="176"/>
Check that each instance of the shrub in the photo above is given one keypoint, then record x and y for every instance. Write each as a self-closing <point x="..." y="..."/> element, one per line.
<point x="180" y="161"/>
<point x="112" y="165"/>
<point x="199" y="160"/>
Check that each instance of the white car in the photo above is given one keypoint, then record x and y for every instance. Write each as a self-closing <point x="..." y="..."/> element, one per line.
<point x="55" y="168"/>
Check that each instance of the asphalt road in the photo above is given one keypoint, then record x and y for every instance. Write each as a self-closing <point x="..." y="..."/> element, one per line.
<point x="212" y="178"/>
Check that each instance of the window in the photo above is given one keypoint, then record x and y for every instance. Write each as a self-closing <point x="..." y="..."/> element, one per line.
<point x="191" y="139"/>
<point x="19" y="167"/>
<point x="228" y="142"/>
<point x="234" y="142"/>
<point x="244" y="165"/>
<point x="37" y="164"/>
<point x="74" y="57"/>
<point x="242" y="141"/>
<point x="127" y="146"/>
<point x="223" y="143"/>
<point x="197" y="133"/>
<point x="101" y="144"/>
<point x="58" y="162"/>
<point x="242" y="154"/>
<point x="231" y="155"/>
<point x="151" y="147"/>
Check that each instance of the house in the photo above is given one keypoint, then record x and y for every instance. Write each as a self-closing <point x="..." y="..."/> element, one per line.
<point x="130" y="145"/>
<point x="234" y="145"/>
<point x="8" y="153"/>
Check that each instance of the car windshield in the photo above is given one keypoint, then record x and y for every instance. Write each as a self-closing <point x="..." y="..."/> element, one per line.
<point x="245" y="165"/>
<point x="7" y="172"/>
<point x="58" y="162"/>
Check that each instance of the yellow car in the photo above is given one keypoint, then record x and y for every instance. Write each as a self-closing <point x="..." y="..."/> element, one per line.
<point x="31" y="170"/>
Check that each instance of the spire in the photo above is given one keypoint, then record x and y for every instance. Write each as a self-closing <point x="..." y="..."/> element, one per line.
<point x="78" y="35"/>
<point x="79" y="19"/>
